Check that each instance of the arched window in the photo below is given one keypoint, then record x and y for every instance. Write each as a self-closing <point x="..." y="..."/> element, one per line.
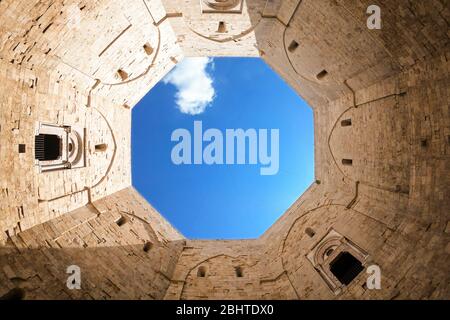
<point x="58" y="147"/>
<point x="337" y="260"/>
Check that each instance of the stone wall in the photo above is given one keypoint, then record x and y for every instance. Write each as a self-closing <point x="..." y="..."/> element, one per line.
<point x="125" y="250"/>
<point x="380" y="99"/>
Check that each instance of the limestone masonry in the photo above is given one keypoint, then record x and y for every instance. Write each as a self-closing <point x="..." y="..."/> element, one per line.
<point x="71" y="72"/>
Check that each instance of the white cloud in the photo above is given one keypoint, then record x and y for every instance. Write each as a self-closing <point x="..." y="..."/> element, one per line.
<point x="194" y="84"/>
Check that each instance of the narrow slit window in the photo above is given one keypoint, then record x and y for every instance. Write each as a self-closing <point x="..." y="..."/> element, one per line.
<point x="148" y="49"/>
<point x="322" y="74"/>
<point x="201" y="272"/>
<point x="148" y="246"/>
<point x="121" y="221"/>
<point x="239" y="272"/>
<point x="293" y="46"/>
<point x="122" y="74"/>
<point x="101" y="147"/>
<point x="347" y="162"/>
<point x="424" y="143"/>
<point x="47" y="147"/>
<point x="222" y="27"/>
<point x="345" y="267"/>
<point x="346" y="122"/>
<point x="310" y="232"/>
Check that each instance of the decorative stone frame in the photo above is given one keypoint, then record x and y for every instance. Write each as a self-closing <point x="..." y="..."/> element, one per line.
<point x="221" y="6"/>
<point x="72" y="147"/>
<point x="327" y="250"/>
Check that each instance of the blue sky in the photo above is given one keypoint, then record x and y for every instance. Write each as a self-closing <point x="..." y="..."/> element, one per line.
<point x="221" y="201"/>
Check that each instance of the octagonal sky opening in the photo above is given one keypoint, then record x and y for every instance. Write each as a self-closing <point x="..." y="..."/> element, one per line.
<point x="227" y="200"/>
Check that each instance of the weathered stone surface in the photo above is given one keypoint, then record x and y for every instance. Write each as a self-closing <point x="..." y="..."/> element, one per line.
<point x="86" y="64"/>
